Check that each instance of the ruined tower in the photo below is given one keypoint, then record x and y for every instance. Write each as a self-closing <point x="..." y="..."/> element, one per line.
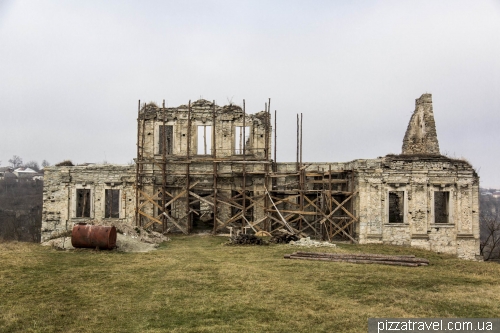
<point x="421" y="136"/>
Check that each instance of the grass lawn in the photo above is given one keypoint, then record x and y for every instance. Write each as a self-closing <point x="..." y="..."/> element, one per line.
<point x="195" y="284"/>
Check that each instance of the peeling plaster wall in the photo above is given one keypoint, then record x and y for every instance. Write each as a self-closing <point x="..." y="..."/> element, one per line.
<point x="60" y="188"/>
<point x="420" y="178"/>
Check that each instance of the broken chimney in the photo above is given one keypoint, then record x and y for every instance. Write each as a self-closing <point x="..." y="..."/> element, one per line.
<point x="421" y="136"/>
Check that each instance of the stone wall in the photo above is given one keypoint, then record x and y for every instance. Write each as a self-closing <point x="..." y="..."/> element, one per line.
<point x="421" y="135"/>
<point x="422" y="184"/>
<point x="419" y="198"/>
<point x="60" y="200"/>
<point x="228" y="130"/>
<point x="416" y="181"/>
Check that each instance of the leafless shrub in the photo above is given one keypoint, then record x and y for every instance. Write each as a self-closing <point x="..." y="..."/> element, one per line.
<point x="16" y="161"/>
<point x="65" y="163"/>
<point x="490" y="236"/>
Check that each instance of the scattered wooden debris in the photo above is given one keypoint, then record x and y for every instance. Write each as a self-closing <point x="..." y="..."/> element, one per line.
<point x="401" y="260"/>
<point x="243" y="239"/>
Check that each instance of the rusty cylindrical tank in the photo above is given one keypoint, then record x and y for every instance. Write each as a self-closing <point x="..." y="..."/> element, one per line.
<point x="93" y="236"/>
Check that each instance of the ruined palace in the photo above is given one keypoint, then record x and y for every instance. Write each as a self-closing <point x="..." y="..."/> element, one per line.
<point x="203" y="167"/>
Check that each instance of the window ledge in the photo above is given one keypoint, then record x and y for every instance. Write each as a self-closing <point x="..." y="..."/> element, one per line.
<point x="396" y="224"/>
<point x="442" y="225"/>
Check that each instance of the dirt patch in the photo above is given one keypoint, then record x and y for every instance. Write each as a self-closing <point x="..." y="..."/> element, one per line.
<point x="126" y="243"/>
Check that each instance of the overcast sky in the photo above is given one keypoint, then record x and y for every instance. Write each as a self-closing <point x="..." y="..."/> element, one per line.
<point x="71" y="73"/>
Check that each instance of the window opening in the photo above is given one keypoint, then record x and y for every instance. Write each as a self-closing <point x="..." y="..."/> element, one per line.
<point x="204" y="140"/>
<point x="396" y="206"/>
<point x="112" y="207"/>
<point x="165" y="137"/>
<point x="238" y="142"/>
<point x="82" y="203"/>
<point x="205" y="217"/>
<point x="441" y="206"/>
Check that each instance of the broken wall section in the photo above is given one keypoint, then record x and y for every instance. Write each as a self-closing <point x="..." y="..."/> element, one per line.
<point x="229" y="131"/>
<point x="430" y="203"/>
<point x="86" y="193"/>
<point x="421" y="135"/>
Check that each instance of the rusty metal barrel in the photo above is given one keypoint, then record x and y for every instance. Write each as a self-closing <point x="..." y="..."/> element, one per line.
<point x="93" y="236"/>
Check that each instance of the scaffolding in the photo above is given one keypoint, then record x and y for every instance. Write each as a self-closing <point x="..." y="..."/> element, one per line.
<point x="179" y="188"/>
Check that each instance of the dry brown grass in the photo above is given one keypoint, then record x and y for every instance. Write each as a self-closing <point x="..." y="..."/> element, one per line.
<point x="195" y="284"/>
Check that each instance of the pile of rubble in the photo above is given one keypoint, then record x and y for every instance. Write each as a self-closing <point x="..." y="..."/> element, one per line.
<point x="138" y="233"/>
<point x="243" y="239"/>
<point x="283" y="238"/>
<point x="129" y="239"/>
<point x="308" y="242"/>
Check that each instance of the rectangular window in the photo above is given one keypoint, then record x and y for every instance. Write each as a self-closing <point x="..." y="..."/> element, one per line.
<point x="82" y="203"/>
<point x="239" y="140"/>
<point x="396" y="206"/>
<point x="112" y="207"/>
<point x="441" y="206"/>
<point x="165" y="139"/>
<point x="204" y="140"/>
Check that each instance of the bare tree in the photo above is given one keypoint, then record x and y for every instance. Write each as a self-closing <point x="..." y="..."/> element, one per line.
<point x="490" y="246"/>
<point x="33" y="165"/>
<point x="45" y="163"/>
<point x="16" y="161"/>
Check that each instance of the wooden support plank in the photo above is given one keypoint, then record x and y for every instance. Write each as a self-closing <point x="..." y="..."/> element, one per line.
<point x="300" y="212"/>
<point x="286" y="223"/>
<point x="281" y="175"/>
<point x="309" y="225"/>
<point x="180" y="194"/>
<point x="292" y="229"/>
<point x="342" y="229"/>
<point x="286" y="200"/>
<point x="232" y="219"/>
<point x="339" y="206"/>
<point x="255" y="224"/>
<point x="219" y="200"/>
<point x="331" y="221"/>
<point x="148" y="200"/>
<point x="176" y="222"/>
<point x="344" y="209"/>
<point x="201" y="198"/>
<point x="325" y="181"/>
<point x="153" y="220"/>
<point x="251" y="226"/>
